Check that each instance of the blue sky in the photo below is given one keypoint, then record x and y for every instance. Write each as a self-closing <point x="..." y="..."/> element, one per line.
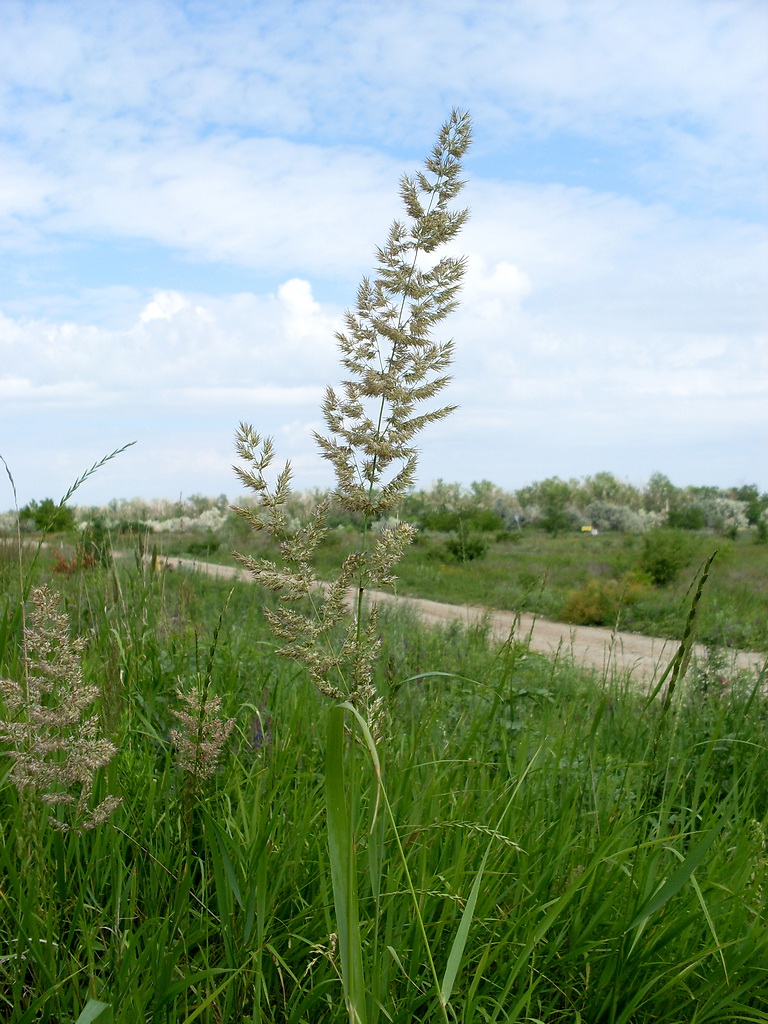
<point x="190" y="193"/>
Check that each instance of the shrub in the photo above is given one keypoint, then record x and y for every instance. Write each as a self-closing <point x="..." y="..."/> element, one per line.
<point x="725" y="515"/>
<point x="664" y="553"/>
<point x="465" y="547"/>
<point x="557" y="520"/>
<point x="690" y="517"/>
<point x="203" y="547"/>
<point x="509" y="536"/>
<point x="445" y="519"/>
<point x="607" y="516"/>
<point x="600" y="601"/>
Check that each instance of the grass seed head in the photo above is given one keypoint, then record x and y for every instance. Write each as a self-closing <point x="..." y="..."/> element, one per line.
<point x="393" y="366"/>
<point x="200" y="741"/>
<point x="55" y="746"/>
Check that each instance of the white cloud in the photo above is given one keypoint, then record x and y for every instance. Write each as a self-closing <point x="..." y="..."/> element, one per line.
<point x="252" y="202"/>
<point x="493" y="293"/>
<point x="211" y="133"/>
<point x="585" y="317"/>
<point x="164" y="306"/>
<point x="595" y="319"/>
<point x="181" y="342"/>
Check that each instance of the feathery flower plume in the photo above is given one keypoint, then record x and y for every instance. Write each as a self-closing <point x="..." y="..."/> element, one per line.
<point x="393" y="367"/>
<point x="55" y="746"/>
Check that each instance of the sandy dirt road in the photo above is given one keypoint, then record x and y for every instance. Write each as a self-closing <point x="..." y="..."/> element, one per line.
<point x="589" y="646"/>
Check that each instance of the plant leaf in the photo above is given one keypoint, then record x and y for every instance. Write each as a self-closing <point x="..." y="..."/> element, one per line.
<point x="94" y="1011"/>
<point x="676" y="880"/>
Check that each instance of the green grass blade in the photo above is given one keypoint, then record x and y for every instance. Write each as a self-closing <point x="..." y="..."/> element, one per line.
<point x="343" y="870"/>
<point x="676" y="880"/>
<point x="95" y="1012"/>
<point x="710" y="925"/>
<point x="679" y="664"/>
<point x="462" y="933"/>
<point x="213" y="996"/>
<point x="460" y="941"/>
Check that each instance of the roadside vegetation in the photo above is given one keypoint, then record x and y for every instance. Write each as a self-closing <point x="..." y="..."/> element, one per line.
<point x="484" y="546"/>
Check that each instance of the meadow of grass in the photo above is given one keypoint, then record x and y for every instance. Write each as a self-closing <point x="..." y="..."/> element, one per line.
<point x="613" y="856"/>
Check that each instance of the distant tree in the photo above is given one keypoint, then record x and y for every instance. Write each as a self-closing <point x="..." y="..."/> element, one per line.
<point x="660" y="493"/>
<point x="606" y="487"/>
<point x="554" y="496"/>
<point x="448" y="507"/>
<point x="47" y="515"/>
<point x="755" y="503"/>
<point x="702" y="491"/>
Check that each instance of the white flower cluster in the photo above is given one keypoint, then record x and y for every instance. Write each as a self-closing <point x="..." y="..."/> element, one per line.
<point x="7" y="522"/>
<point x="193" y="511"/>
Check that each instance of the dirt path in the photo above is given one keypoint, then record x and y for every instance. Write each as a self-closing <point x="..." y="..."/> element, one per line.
<point x="592" y="647"/>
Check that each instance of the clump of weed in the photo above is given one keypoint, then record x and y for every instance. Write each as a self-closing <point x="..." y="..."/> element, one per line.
<point x="393" y="367"/>
<point x="202" y="547"/>
<point x="464" y="546"/>
<point x="599" y="602"/>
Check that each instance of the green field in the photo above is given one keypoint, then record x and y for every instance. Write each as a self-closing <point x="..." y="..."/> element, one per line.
<point x="573" y="854"/>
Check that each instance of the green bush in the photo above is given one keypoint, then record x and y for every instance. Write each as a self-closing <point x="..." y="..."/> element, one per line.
<point x="689" y="518"/>
<point x="508" y="536"/>
<point x="600" y="601"/>
<point x="465" y="547"/>
<point x="202" y="547"/>
<point x="443" y="520"/>
<point x="664" y="553"/>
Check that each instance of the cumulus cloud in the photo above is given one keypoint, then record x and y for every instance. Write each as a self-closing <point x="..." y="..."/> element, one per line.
<point x="176" y="343"/>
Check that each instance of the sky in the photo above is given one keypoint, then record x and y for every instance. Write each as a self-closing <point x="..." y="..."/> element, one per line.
<point x="191" y="192"/>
